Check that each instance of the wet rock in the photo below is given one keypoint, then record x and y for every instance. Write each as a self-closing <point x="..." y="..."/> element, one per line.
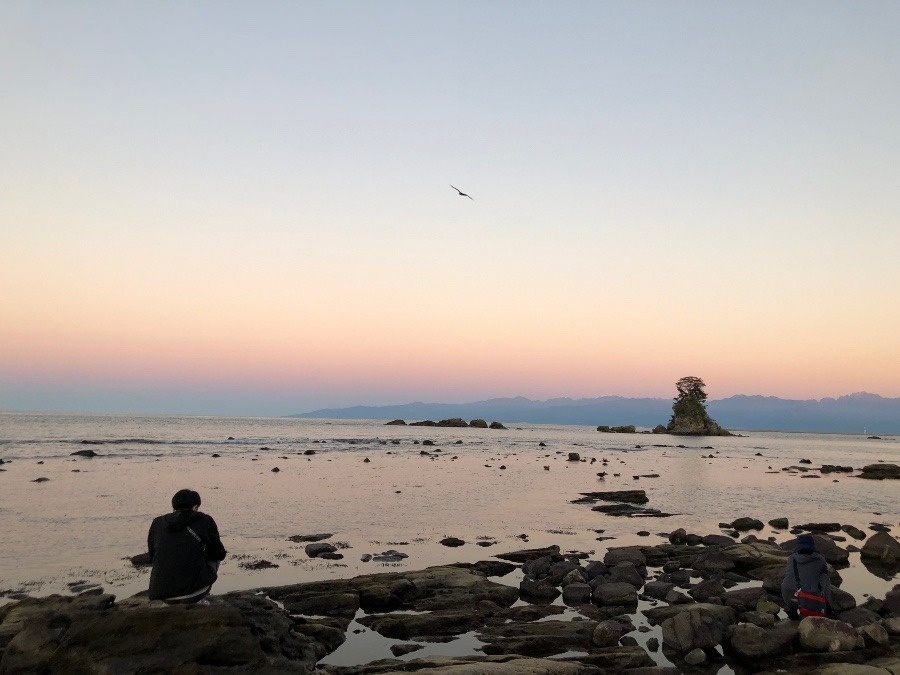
<point x="574" y="457"/>
<point x="397" y="423"/>
<point x="615" y="593"/>
<point x="873" y="634"/>
<point x="753" y="642"/>
<point x="760" y="619"/>
<point x="478" y="424"/>
<point x="854" y="532"/>
<point x="818" y="634"/>
<point x="881" y="546"/>
<point x="713" y="560"/>
<point x="496" y="425"/>
<point x="537" y="590"/>
<point x="83" y="453"/>
<point x="859" y="616"/>
<point x="833" y="468"/>
<point x="577" y="594"/>
<point x="299" y="538"/>
<point x="543" y="638"/>
<point x="745" y="524"/>
<point x="695" y="657"/>
<point x="881" y="471"/>
<point x="744" y="599"/>
<point x="529" y="554"/>
<point x="820" y="527"/>
<point x="452" y="542"/>
<point x="658" y="589"/>
<point x="625" y="496"/>
<point x="607" y="633"/>
<point x="258" y="565"/>
<point x="445" y="622"/>
<point x="618" y="554"/>
<point x="318" y="550"/>
<point x="779" y="523"/>
<point x="692" y="630"/>
<point x="657" y="615"/>
<point x="626" y="572"/>
<point x="234" y="631"/>
<point x="710" y="588"/>
<point x="404" y="649"/>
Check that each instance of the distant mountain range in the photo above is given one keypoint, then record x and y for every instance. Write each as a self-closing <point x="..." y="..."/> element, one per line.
<point x="853" y="414"/>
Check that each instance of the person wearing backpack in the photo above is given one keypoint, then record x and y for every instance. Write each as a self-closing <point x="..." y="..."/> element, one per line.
<point x="806" y="589"/>
<point x="185" y="550"/>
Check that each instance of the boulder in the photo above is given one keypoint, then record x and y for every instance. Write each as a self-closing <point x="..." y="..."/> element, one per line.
<point x="496" y="425"/>
<point x="692" y="630"/>
<point x="236" y="631"/>
<point x="881" y="546"/>
<point x="744" y="599"/>
<point x="540" y="591"/>
<point x="656" y="615"/>
<point x="318" y="550"/>
<point x="618" y="554"/>
<point x="607" y="633"/>
<point x="478" y="424"/>
<point x="873" y="634"/>
<point x="577" y="594"/>
<point x="710" y="588"/>
<point x="615" y="593"/>
<point x="779" y="523"/>
<point x="399" y="423"/>
<point x="752" y="642"/>
<point x="745" y="524"/>
<point x="713" y="560"/>
<point x="818" y="634"/>
<point x="84" y="453"/>
<point x="881" y="471"/>
<point x="452" y="542"/>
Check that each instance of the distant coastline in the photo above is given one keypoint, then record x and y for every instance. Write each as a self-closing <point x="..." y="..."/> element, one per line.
<point x="859" y="413"/>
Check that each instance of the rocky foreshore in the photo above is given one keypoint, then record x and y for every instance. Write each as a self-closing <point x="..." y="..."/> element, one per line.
<point x="711" y="599"/>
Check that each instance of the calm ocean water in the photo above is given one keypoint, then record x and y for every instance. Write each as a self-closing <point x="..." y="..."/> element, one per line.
<point x="488" y="485"/>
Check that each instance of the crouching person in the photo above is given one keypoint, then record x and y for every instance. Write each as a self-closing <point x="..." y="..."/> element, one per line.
<point x="185" y="550"/>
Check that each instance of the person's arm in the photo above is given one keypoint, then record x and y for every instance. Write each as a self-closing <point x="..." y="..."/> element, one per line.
<point x="214" y="548"/>
<point x="151" y="548"/>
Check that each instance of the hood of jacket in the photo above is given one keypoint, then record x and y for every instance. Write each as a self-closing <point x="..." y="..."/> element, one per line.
<point x="179" y="520"/>
<point x="809" y="558"/>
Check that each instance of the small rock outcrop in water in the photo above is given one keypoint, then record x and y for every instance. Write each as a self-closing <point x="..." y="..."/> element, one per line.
<point x="625" y="429"/>
<point x="454" y="422"/>
<point x="84" y="453"/>
<point x="399" y="423"/>
<point x="881" y="472"/>
<point x="689" y="416"/>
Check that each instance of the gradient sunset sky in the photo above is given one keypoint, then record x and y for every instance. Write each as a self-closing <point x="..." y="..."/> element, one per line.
<point x="245" y="208"/>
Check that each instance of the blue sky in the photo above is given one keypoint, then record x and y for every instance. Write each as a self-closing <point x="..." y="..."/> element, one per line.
<point x="235" y="207"/>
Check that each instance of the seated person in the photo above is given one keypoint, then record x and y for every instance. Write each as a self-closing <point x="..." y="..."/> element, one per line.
<point x="185" y="550"/>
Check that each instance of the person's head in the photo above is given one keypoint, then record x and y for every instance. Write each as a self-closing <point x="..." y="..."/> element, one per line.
<point x="185" y="500"/>
<point x="805" y="544"/>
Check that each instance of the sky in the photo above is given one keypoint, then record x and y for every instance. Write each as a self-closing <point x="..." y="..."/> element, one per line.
<point x="245" y="208"/>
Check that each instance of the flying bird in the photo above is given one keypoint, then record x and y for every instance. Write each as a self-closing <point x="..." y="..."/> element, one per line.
<point x="461" y="193"/>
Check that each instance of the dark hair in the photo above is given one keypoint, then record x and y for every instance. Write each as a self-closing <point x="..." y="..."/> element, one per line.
<point x="185" y="499"/>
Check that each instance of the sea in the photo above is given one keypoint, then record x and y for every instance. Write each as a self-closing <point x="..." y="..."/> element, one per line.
<point x="71" y="522"/>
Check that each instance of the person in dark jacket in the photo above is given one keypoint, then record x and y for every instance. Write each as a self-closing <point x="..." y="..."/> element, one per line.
<point x="812" y="571"/>
<point x="185" y="550"/>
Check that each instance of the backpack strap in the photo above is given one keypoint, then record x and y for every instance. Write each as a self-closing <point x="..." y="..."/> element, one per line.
<point x="797" y="578"/>
<point x="197" y="537"/>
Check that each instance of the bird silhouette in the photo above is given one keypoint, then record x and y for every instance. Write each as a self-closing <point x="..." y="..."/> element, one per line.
<point x="461" y="193"/>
